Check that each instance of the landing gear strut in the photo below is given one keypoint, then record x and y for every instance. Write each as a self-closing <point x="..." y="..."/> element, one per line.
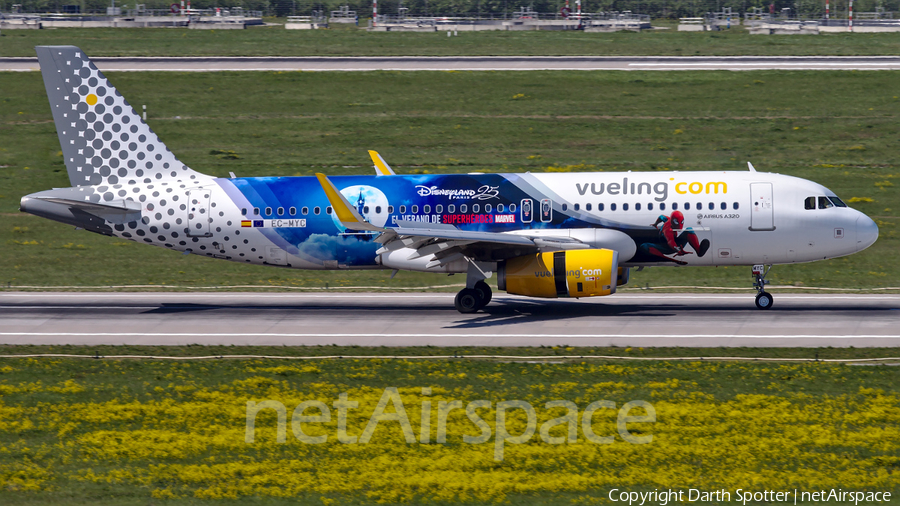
<point x="763" y="298"/>
<point x="477" y="293"/>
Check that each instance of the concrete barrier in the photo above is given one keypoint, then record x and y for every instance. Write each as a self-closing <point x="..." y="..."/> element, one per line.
<point x="216" y="26"/>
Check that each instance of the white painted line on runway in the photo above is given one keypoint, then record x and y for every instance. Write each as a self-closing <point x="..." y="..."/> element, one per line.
<point x="644" y="66"/>
<point x="670" y="295"/>
<point x="107" y="307"/>
<point x="759" y="64"/>
<point x="445" y="335"/>
<point x="356" y="295"/>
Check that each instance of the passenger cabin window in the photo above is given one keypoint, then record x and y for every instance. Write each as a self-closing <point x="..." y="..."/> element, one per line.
<point x="723" y="206"/>
<point x="637" y="207"/>
<point x="280" y="211"/>
<point x="662" y="206"/>
<point x="328" y="210"/>
<point x="565" y="207"/>
<point x="390" y="209"/>
<point x="415" y="208"/>
<point x="600" y="206"/>
<point x="462" y="208"/>
<point x="711" y="206"/>
<point x="268" y="211"/>
<point x="674" y="206"/>
<point x="487" y="208"/>
<point x="255" y="211"/>
<point x="650" y="206"/>
<point x="316" y="210"/>
<point x="625" y="206"/>
<point x="476" y="208"/>
<point x="687" y="206"/>
<point x="244" y="212"/>
<point x="304" y="211"/>
<point x="451" y="208"/>
<point x="426" y="209"/>
<point x="824" y="203"/>
<point x="512" y="208"/>
<point x="735" y="206"/>
<point x="587" y="207"/>
<point x="809" y="203"/>
<point x="292" y="211"/>
<point x="612" y="207"/>
<point x="365" y="210"/>
<point x="576" y="207"/>
<point x="402" y="209"/>
<point x="439" y="208"/>
<point x="500" y="208"/>
<point x="377" y="209"/>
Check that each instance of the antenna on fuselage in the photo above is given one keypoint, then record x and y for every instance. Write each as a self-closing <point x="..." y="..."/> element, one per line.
<point x="750" y="166"/>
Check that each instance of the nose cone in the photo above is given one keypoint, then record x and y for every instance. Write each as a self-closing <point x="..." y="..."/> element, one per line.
<point x="866" y="232"/>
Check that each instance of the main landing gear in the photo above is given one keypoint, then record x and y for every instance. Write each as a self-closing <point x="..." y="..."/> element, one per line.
<point x="470" y="300"/>
<point x="763" y="298"/>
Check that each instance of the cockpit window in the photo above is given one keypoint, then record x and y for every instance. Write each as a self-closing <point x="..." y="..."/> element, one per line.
<point x="809" y="203"/>
<point x="824" y="203"/>
<point x="838" y="202"/>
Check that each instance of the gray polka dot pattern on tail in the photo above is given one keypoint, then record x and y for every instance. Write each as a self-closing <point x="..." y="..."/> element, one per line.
<point x="104" y="140"/>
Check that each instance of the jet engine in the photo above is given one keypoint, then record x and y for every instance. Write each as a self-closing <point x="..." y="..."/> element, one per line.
<point x="624" y="274"/>
<point x="572" y="273"/>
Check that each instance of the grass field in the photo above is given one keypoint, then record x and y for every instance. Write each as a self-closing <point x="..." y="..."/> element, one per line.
<point x="346" y="41"/>
<point x="159" y="432"/>
<point x="837" y="128"/>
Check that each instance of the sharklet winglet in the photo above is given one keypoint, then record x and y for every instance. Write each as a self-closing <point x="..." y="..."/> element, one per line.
<point x="381" y="167"/>
<point x="346" y="213"/>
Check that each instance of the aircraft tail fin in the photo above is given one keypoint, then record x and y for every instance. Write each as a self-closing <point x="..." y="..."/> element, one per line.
<point x="103" y="139"/>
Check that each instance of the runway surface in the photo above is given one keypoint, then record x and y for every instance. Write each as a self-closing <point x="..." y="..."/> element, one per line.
<point x="369" y="319"/>
<point x="315" y="63"/>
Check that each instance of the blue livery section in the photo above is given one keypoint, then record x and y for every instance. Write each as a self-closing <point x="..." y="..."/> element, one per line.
<point x="473" y="202"/>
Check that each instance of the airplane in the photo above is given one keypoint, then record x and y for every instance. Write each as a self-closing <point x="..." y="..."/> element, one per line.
<point x="545" y="235"/>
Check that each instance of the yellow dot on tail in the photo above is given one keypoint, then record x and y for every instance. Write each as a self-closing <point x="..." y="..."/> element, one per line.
<point x="91" y="99"/>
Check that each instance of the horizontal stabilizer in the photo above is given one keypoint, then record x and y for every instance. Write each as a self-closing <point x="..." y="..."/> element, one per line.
<point x="115" y="211"/>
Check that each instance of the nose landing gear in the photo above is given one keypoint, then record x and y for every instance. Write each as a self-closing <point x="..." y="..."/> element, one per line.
<point x="763" y="298"/>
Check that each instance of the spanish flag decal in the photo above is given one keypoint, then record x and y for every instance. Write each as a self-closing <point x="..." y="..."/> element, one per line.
<point x="246" y="223"/>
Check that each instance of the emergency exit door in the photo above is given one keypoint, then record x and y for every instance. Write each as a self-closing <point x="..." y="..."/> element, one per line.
<point x="762" y="213"/>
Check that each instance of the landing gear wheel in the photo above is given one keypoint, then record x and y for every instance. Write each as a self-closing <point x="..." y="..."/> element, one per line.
<point x="468" y="300"/>
<point x="485" y="293"/>
<point x="764" y="300"/>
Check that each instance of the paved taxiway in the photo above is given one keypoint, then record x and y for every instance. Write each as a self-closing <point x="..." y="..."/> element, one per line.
<point x="317" y="63"/>
<point x="393" y="319"/>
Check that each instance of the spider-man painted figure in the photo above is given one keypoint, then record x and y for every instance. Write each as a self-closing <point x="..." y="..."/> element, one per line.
<point x="673" y="242"/>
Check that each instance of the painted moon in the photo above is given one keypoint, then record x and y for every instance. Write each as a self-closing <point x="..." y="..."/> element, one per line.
<point x="367" y="200"/>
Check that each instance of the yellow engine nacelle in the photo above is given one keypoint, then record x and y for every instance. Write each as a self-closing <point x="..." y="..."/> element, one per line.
<point x="573" y="273"/>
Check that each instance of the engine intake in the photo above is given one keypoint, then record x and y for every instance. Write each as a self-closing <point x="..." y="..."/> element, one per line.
<point x="572" y="273"/>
